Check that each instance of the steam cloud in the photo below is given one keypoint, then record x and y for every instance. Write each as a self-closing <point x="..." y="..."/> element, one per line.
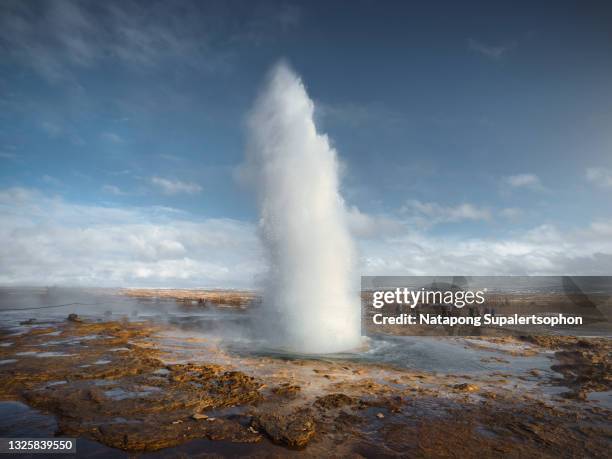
<point x="310" y="303"/>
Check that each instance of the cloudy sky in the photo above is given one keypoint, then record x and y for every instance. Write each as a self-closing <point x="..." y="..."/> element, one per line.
<point x="474" y="138"/>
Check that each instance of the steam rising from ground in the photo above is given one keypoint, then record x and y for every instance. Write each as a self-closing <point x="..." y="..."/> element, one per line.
<point x="310" y="304"/>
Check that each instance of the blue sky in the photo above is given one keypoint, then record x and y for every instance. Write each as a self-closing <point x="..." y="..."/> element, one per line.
<point x="475" y="138"/>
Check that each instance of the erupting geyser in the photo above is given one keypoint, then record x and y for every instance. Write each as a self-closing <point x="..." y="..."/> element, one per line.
<point x="310" y="300"/>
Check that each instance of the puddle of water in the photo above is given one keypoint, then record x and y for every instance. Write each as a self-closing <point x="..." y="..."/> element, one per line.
<point x="57" y="383"/>
<point x="118" y="393"/>
<point x="553" y="391"/>
<point x="5" y="361"/>
<point x="19" y="333"/>
<point x="44" y="354"/>
<point x="602" y="398"/>
<point x="435" y="354"/>
<point x="53" y="354"/>
<point x="486" y="432"/>
<point x="102" y="362"/>
<point x="18" y="420"/>
<point x="6" y="344"/>
<point x="150" y="388"/>
<point x="55" y="333"/>
<point x="71" y="341"/>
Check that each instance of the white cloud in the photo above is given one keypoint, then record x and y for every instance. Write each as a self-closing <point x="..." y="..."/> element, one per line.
<point x="170" y="187"/>
<point x="56" y="242"/>
<point x="365" y="226"/>
<point x="544" y="250"/>
<point x="49" y="241"/>
<point x="63" y="130"/>
<point x="53" y="181"/>
<point x="112" y="137"/>
<point x="530" y="181"/>
<point x="359" y="114"/>
<point x="431" y="213"/>
<point x="599" y="176"/>
<point x="511" y="213"/>
<point x="114" y="190"/>
<point x="490" y="51"/>
<point x="58" y="37"/>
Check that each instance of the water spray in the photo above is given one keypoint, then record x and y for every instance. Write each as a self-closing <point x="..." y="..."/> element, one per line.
<point x="310" y="302"/>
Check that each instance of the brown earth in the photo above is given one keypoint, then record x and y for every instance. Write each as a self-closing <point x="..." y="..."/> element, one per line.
<point x="585" y="364"/>
<point x="232" y="298"/>
<point x="119" y="384"/>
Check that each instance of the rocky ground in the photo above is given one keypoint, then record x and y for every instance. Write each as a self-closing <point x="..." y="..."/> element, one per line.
<point x="125" y="385"/>
<point x="231" y="298"/>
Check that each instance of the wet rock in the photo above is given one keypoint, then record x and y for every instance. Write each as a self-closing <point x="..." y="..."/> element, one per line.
<point x="186" y="298"/>
<point x="74" y="318"/>
<point x="397" y="437"/>
<point x="345" y="419"/>
<point x="549" y="341"/>
<point x="159" y="410"/>
<point x="494" y="360"/>
<point x="150" y="437"/>
<point x="96" y="395"/>
<point x="295" y="429"/>
<point x="334" y="401"/>
<point x="393" y="404"/>
<point x="216" y="388"/>
<point x="575" y="395"/>
<point x="139" y="403"/>
<point x="585" y="368"/>
<point x="287" y="390"/>
<point x="466" y="387"/>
